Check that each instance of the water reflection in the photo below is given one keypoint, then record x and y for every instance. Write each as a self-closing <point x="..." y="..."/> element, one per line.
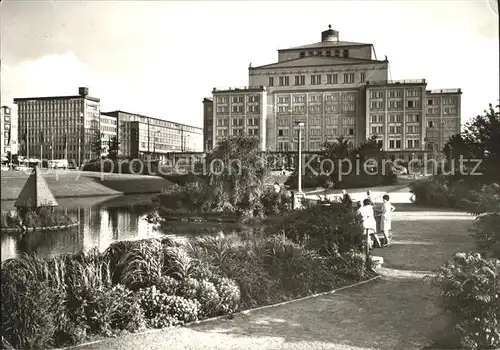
<point x="103" y="220"/>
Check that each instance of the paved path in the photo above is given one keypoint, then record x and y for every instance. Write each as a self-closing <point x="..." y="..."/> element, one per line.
<point x="394" y="312"/>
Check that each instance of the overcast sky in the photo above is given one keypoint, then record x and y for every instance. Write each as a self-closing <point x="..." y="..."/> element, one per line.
<point x="161" y="58"/>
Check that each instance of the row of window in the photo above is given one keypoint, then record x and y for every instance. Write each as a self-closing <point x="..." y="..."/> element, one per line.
<point x="238" y="132"/>
<point x="49" y="105"/>
<point x="238" y="99"/>
<point x="446" y="110"/>
<point x="315" y="121"/>
<point x="395" y="118"/>
<point x="396" y="93"/>
<point x="238" y="122"/>
<point x="446" y="101"/>
<point x="318" y="79"/>
<point x="395" y="104"/>
<point x="396" y="130"/>
<point x="410" y="144"/>
<point x="452" y="123"/>
<point x="318" y="109"/>
<point x="330" y="97"/>
<point x="238" y="109"/>
<point x="327" y="53"/>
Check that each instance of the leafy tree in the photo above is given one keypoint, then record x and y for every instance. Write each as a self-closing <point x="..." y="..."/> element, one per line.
<point x="479" y="140"/>
<point x="113" y="148"/>
<point x="371" y="149"/>
<point x="336" y="150"/>
<point x="236" y="176"/>
<point x="97" y="147"/>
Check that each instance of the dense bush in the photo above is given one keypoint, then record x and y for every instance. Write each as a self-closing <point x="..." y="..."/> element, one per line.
<point x="162" y="310"/>
<point x="325" y="228"/>
<point x="469" y="291"/>
<point x="486" y="204"/>
<point x="276" y="203"/>
<point x="10" y="219"/>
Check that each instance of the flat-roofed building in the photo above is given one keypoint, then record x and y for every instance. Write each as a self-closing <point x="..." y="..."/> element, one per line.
<point x="321" y="84"/>
<point x="395" y="113"/>
<point x="59" y="127"/>
<point x="339" y="88"/>
<point x="240" y="112"/>
<point x="140" y="136"/>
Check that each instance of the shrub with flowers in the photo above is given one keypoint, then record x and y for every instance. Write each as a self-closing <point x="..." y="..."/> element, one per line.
<point x="162" y="310"/>
<point x="229" y="294"/>
<point x="208" y="297"/>
<point x="469" y="291"/>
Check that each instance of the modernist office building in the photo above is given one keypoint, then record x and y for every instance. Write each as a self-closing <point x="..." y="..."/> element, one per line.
<point x="339" y="88"/>
<point x="59" y="127"/>
<point x="69" y="127"/>
<point x="140" y="136"/>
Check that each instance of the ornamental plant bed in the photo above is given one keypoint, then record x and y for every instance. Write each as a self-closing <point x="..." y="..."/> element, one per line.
<point x="154" y="283"/>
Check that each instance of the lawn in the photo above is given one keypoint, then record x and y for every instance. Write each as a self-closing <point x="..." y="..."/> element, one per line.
<point x="423" y="240"/>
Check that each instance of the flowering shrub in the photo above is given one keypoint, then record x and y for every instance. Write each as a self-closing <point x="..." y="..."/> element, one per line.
<point x="162" y="310"/>
<point x="182" y="309"/>
<point x="189" y="288"/>
<point x="168" y="285"/>
<point x="469" y="290"/>
<point x="229" y="294"/>
<point x="208" y="297"/>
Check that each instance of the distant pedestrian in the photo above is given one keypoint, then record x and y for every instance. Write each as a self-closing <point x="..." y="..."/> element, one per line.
<point x="369" y="223"/>
<point x="369" y="197"/>
<point x="386" y="220"/>
<point x="346" y="199"/>
<point x="277" y="188"/>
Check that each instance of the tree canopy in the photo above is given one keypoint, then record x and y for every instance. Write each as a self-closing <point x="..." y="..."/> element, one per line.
<point x="480" y="140"/>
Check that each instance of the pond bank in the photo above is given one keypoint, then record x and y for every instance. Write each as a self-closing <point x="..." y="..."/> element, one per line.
<point x="73" y="183"/>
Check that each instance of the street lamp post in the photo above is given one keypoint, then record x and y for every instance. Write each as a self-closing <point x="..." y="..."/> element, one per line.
<point x="80" y="139"/>
<point x="299" y="187"/>
<point x="157" y="132"/>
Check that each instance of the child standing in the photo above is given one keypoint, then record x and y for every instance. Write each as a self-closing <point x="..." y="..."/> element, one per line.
<point x="386" y="220"/>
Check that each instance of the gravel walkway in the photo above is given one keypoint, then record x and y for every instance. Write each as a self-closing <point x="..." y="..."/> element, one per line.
<point x="394" y="312"/>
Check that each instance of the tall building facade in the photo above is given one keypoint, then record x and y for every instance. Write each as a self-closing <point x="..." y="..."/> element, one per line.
<point x="443" y="111"/>
<point x="208" y="126"/>
<point x="59" y="127"/>
<point x="6" y="121"/>
<point x="109" y="131"/>
<point x="140" y="136"/>
<point x="395" y="113"/>
<point x="240" y="112"/>
<point x="340" y="88"/>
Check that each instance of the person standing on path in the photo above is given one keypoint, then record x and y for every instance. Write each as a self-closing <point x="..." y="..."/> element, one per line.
<point x="346" y="199"/>
<point x="369" y="223"/>
<point x="385" y="222"/>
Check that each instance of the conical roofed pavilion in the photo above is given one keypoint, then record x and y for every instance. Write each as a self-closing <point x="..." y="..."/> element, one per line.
<point x="36" y="193"/>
